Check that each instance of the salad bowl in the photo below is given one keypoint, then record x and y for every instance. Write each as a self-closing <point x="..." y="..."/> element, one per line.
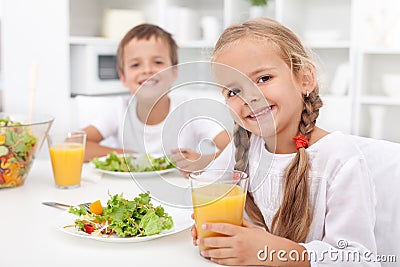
<point x="20" y="139"/>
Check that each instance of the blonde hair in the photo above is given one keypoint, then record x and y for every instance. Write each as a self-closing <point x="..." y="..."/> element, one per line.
<point x="293" y="218"/>
<point x="146" y="31"/>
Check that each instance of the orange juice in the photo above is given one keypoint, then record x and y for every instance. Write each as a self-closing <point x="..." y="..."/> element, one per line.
<point x="223" y="203"/>
<point x="67" y="160"/>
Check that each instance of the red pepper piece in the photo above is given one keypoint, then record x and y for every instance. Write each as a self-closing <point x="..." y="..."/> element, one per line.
<point x="88" y="228"/>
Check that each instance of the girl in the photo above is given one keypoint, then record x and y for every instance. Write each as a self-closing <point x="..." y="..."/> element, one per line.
<point x="309" y="189"/>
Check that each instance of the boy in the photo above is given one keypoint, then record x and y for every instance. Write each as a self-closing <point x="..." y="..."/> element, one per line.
<point x="146" y="57"/>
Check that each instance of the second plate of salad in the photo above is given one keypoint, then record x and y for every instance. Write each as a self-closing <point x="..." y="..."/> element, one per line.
<point x="133" y="165"/>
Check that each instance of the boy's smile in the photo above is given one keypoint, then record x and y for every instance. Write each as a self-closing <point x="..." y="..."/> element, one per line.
<point x="148" y="82"/>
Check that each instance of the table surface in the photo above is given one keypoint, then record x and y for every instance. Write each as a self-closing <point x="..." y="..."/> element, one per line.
<point x="29" y="236"/>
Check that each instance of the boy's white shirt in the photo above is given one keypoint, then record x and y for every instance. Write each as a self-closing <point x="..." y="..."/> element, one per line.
<point x="342" y="195"/>
<point x="180" y="129"/>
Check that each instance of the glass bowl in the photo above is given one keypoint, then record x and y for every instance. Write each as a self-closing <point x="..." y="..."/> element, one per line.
<point x="20" y="139"/>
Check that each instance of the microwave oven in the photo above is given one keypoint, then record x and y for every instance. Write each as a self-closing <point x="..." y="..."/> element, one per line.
<point x="93" y="70"/>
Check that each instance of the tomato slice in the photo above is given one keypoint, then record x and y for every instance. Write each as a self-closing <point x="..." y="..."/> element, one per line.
<point x="88" y="228"/>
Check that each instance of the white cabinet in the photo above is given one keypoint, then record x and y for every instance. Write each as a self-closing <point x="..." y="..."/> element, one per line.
<point x="195" y="25"/>
<point x="317" y="21"/>
<point x="324" y="25"/>
<point x="326" y="28"/>
<point x="358" y="46"/>
<point x="379" y="94"/>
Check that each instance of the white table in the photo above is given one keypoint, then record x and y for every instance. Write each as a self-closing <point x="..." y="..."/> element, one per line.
<point x="28" y="236"/>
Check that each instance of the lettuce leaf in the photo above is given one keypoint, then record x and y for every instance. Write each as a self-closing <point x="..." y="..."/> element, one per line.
<point x="135" y="217"/>
<point x="115" y="163"/>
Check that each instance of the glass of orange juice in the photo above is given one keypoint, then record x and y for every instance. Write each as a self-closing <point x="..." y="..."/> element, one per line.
<point x="218" y="196"/>
<point x="66" y="153"/>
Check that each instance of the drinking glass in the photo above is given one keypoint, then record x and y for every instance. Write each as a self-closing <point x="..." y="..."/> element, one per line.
<point x="218" y="196"/>
<point x="67" y="152"/>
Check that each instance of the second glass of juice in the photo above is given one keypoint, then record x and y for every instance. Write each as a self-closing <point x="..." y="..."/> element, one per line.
<point x="67" y="153"/>
<point x="218" y="196"/>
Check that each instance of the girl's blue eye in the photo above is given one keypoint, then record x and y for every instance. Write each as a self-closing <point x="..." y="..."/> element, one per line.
<point x="233" y="92"/>
<point x="264" y="79"/>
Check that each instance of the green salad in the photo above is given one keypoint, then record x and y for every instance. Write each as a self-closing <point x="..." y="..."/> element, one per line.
<point x="114" y="163"/>
<point x="17" y="146"/>
<point x="123" y="217"/>
<point x="146" y="163"/>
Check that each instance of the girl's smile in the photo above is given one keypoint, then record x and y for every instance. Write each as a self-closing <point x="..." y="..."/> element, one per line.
<point x="260" y="113"/>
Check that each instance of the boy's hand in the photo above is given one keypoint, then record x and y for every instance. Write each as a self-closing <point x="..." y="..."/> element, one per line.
<point x="188" y="160"/>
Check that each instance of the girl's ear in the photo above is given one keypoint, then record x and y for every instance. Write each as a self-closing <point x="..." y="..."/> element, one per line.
<point x="308" y="80"/>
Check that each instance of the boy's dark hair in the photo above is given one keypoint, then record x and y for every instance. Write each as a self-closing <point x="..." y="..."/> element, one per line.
<point x="146" y="31"/>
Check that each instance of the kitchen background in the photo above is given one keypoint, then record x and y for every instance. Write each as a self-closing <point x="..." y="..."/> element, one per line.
<point x="60" y="53"/>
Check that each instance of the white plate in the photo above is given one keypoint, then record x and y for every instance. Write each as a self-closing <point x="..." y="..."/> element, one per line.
<point x="181" y="218"/>
<point x="130" y="174"/>
<point x="135" y="174"/>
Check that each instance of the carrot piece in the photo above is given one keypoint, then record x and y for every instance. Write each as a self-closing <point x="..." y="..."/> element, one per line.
<point x="96" y="207"/>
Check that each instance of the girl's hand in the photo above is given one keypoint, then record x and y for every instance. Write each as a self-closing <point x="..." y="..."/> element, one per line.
<point x="250" y="245"/>
<point x="239" y="246"/>
<point x="193" y="231"/>
<point x="188" y="160"/>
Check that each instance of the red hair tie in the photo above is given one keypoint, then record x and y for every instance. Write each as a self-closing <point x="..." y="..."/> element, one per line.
<point x="301" y="141"/>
